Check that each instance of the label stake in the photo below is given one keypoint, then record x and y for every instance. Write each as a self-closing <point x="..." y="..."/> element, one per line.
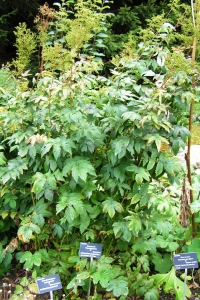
<point x="51" y="295"/>
<point x="89" y="288"/>
<point x="185" y="281"/>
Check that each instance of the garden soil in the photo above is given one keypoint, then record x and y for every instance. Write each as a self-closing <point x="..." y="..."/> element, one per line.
<point x="9" y="282"/>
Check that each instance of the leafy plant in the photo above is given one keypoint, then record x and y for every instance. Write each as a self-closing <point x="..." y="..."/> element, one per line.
<point x="81" y="159"/>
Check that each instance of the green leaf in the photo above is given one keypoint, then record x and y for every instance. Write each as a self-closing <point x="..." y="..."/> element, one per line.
<point x="57" y="230"/>
<point x="120" y="146"/>
<point x="72" y="205"/>
<point x="171" y="282"/>
<point x="37" y="259"/>
<point x="24" y="281"/>
<point x="158" y="139"/>
<point x="80" y="168"/>
<point x="58" y="175"/>
<point x="30" y="260"/>
<point x="51" y="181"/>
<point x="85" y="221"/>
<point x="149" y="73"/>
<point x="159" y="168"/>
<point x="14" y="169"/>
<point x="143" y="261"/>
<point x="140" y="173"/>
<point x="121" y="228"/>
<point x="103" y="277"/>
<point x="45" y="148"/>
<point x="48" y="193"/>
<point x="151" y="294"/>
<point x="131" y="115"/>
<point x="118" y="286"/>
<point x="110" y="206"/>
<point x="39" y="182"/>
<point x="161" y="58"/>
<point x="195" y="206"/>
<point x="195" y="247"/>
<point x="2" y="159"/>
<point x="56" y="151"/>
<point x="163" y="263"/>
<point x="25" y="232"/>
<point x="32" y="152"/>
<point x="135" y="223"/>
<point x="18" y="289"/>
<point x="33" y="288"/>
<point x="38" y="219"/>
<point x="151" y="164"/>
<point x="25" y="256"/>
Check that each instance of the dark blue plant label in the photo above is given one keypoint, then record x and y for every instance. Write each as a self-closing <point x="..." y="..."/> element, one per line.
<point x="49" y="283"/>
<point x="90" y="250"/>
<point x="185" y="261"/>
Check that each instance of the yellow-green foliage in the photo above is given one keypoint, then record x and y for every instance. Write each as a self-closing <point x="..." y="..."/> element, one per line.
<point x="26" y="43"/>
<point x="153" y="28"/>
<point x="71" y="34"/>
<point x="85" y="24"/>
<point x="176" y="62"/>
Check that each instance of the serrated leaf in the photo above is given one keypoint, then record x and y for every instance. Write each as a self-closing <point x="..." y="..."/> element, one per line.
<point x="110" y="206"/>
<point x="151" y="294"/>
<point x="30" y="260"/>
<point x="80" y="168"/>
<point x="135" y="223"/>
<point x="85" y="222"/>
<point x="131" y="115"/>
<point x="103" y="277"/>
<point x="51" y="181"/>
<point x="48" y="193"/>
<point x="38" y="219"/>
<point x="39" y="182"/>
<point x="45" y="148"/>
<point x="32" y="151"/>
<point x="25" y="256"/>
<point x="57" y="230"/>
<point x="25" y="232"/>
<point x="56" y="151"/>
<point x="14" y="169"/>
<point x="118" y="286"/>
<point x="72" y="205"/>
<point x="37" y="258"/>
<point x="121" y="229"/>
<point x="58" y="175"/>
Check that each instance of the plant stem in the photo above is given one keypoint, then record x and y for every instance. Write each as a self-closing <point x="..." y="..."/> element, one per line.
<point x="189" y="176"/>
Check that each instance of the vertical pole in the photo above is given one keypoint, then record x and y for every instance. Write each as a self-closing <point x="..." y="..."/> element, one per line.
<point x="185" y="280"/>
<point x="51" y="295"/>
<point x="89" y="288"/>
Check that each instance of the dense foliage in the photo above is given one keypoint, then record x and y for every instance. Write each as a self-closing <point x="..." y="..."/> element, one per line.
<point x="81" y="155"/>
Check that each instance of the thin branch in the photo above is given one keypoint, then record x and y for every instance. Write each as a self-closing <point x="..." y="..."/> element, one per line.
<point x="193" y="18"/>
